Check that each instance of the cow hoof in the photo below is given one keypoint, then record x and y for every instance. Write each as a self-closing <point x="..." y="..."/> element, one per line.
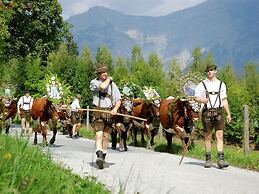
<point x="51" y="142"/>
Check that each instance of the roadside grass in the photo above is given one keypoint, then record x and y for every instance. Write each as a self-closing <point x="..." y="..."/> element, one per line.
<point x="25" y="169"/>
<point x="233" y="154"/>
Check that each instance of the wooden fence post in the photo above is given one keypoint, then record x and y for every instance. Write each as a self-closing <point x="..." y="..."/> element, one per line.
<point x="246" y="130"/>
<point x="87" y="119"/>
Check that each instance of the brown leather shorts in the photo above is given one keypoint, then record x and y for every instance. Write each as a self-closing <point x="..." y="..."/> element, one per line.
<point x="25" y="114"/>
<point x="102" y="121"/>
<point x="75" y="117"/>
<point x="213" y="119"/>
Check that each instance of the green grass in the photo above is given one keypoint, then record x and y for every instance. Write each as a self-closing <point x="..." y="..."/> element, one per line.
<point x="25" y="169"/>
<point x="233" y="154"/>
<point x="88" y="133"/>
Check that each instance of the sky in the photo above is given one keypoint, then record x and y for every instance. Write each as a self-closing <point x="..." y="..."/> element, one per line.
<point x="130" y="7"/>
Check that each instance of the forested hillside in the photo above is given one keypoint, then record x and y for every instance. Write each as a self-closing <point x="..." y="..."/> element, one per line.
<point x="227" y="28"/>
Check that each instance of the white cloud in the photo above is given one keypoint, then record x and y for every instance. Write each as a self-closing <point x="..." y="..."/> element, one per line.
<point x="159" y="41"/>
<point x="131" y="7"/>
<point x="184" y="58"/>
<point x="169" y="6"/>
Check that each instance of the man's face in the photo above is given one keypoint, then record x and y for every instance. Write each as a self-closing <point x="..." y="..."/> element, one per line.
<point x="27" y="94"/>
<point x="103" y="75"/>
<point x="211" y="72"/>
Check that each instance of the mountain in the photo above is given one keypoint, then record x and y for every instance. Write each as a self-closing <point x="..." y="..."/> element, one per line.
<point x="229" y="29"/>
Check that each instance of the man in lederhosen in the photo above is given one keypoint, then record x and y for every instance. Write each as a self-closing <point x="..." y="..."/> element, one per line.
<point x="211" y="92"/>
<point x="24" y="107"/>
<point x="106" y="96"/>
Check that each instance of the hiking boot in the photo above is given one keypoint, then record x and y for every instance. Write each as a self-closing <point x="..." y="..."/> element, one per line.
<point x="99" y="160"/>
<point x="105" y="165"/>
<point x="208" y="163"/>
<point x="221" y="162"/>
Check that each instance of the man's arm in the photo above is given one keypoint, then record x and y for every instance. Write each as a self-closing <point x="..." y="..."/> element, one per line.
<point x="105" y="84"/>
<point x="201" y="100"/>
<point x="226" y="107"/>
<point x="116" y="107"/>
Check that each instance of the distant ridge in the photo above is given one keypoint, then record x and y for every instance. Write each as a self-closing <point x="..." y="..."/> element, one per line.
<point x="229" y="29"/>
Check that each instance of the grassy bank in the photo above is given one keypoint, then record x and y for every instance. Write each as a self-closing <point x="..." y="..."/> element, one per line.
<point x="25" y="169"/>
<point x="233" y="154"/>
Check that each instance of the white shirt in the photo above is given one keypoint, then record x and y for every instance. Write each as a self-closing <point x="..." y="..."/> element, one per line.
<point x="75" y="105"/>
<point x="105" y="102"/>
<point x="25" y="102"/>
<point x="212" y="86"/>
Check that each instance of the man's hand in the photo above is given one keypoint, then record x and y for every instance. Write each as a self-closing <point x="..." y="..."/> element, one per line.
<point x="110" y="78"/>
<point x="228" y="118"/>
<point x="113" y="111"/>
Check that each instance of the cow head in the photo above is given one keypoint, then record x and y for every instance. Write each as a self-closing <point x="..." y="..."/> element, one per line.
<point x="126" y="108"/>
<point x="192" y="110"/>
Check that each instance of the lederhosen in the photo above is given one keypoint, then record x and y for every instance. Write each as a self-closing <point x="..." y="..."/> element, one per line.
<point x="25" y="113"/>
<point x="213" y="117"/>
<point x="102" y="120"/>
<point x="75" y="117"/>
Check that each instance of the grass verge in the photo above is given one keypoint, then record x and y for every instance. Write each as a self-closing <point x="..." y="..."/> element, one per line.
<point x="25" y="169"/>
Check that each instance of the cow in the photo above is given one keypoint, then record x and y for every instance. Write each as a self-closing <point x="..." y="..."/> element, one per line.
<point x="45" y="112"/>
<point x="142" y="108"/>
<point x="177" y="114"/>
<point x="122" y="124"/>
<point x="148" y="110"/>
<point x="65" y="120"/>
<point x="8" y="112"/>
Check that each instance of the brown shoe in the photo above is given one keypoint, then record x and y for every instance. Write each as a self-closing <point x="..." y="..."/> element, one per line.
<point x="208" y="163"/>
<point x="221" y="162"/>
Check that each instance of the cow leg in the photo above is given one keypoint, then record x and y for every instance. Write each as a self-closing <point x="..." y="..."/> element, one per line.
<point x="124" y="138"/>
<point x="44" y="135"/>
<point x="153" y="133"/>
<point x="147" y="130"/>
<point x="54" y="128"/>
<point x="135" y="131"/>
<point x="169" y="138"/>
<point x="35" y="138"/>
<point x="36" y="130"/>
<point x="114" y="138"/>
<point x="142" y="136"/>
<point x="7" y="127"/>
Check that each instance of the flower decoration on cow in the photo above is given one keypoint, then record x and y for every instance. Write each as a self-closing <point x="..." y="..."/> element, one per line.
<point x="54" y="88"/>
<point x="150" y="93"/>
<point x="131" y="90"/>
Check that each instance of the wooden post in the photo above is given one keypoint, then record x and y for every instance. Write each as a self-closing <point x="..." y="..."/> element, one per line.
<point x="160" y="132"/>
<point x="87" y="119"/>
<point x="246" y="130"/>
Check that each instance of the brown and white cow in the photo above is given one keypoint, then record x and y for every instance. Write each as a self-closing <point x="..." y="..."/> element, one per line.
<point x="44" y="112"/>
<point x="148" y="110"/>
<point x="8" y="112"/>
<point x="173" y="116"/>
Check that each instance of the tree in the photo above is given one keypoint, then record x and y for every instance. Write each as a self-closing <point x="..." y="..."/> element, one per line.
<point x="36" y="27"/>
<point x="63" y="64"/>
<point x="174" y="75"/>
<point x="104" y="56"/>
<point x="251" y="85"/>
<point x="121" y="72"/>
<point x="84" y="73"/>
<point x="197" y="65"/>
<point x="236" y="100"/>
